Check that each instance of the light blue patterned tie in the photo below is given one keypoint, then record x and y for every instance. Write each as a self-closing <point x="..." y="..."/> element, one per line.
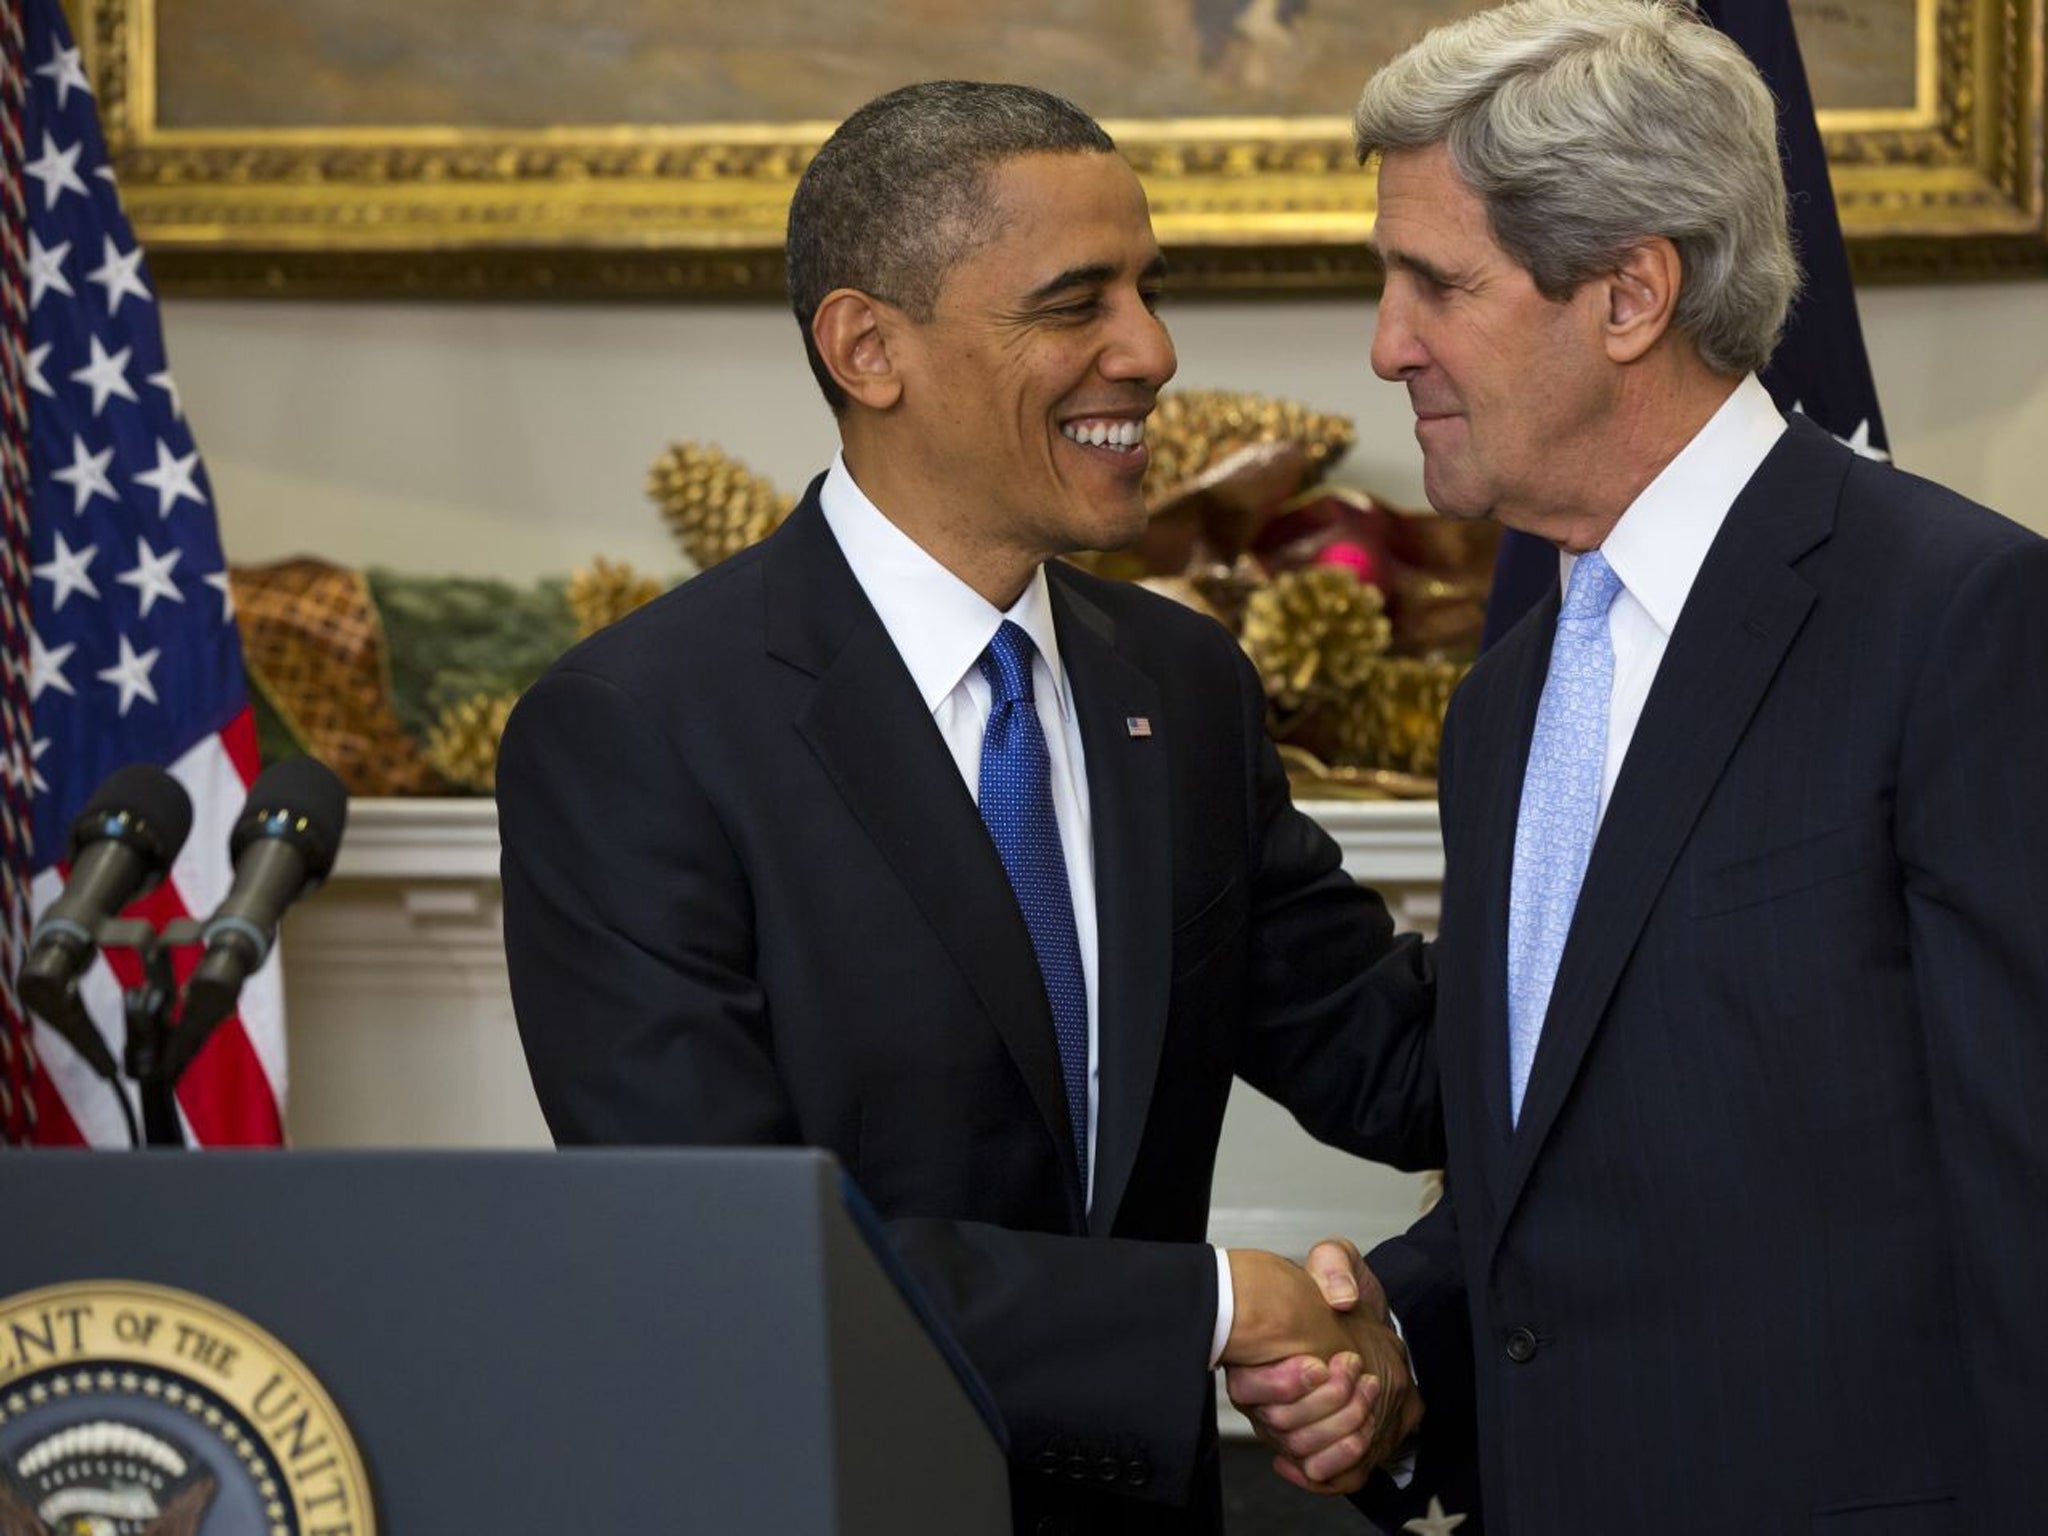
<point x="1016" y="803"/>
<point x="1560" y="808"/>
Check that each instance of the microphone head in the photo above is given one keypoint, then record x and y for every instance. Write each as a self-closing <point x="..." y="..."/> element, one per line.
<point x="301" y="801"/>
<point x="141" y="806"/>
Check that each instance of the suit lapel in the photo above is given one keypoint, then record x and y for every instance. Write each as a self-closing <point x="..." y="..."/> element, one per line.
<point x="870" y="730"/>
<point x="1745" y="609"/>
<point x="1127" y="798"/>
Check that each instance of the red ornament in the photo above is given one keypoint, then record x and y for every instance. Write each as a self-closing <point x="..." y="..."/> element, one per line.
<point x="1361" y="560"/>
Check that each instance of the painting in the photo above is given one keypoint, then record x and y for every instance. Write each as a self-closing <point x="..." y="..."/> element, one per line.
<point x="648" y="147"/>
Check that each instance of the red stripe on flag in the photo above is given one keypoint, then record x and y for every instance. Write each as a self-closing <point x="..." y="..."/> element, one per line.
<point x="239" y="737"/>
<point x="227" y="1096"/>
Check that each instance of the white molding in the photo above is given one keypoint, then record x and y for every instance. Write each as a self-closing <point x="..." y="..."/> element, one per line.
<point x="392" y="839"/>
<point x="1393" y="842"/>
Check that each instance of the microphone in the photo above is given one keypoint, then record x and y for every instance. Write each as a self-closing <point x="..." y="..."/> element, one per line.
<point x="122" y="844"/>
<point x="283" y="847"/>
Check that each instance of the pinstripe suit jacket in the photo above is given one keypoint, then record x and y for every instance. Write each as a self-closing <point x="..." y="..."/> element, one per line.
<point x="1768" y="1251"/>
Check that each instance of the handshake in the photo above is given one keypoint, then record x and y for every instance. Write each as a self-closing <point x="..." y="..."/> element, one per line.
<point x="1314" y="1362"/>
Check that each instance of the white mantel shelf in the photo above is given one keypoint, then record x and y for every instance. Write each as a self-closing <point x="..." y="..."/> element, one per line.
<point x="1384" y="841"/>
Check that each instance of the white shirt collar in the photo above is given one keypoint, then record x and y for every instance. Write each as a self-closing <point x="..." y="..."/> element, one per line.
<point x="939" y="624"/>
<point x="1661" y="542"/>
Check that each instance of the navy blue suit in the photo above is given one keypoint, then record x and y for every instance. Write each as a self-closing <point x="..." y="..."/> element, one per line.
<point x="1768" y="1251"/>
<point x="749" y="900"/>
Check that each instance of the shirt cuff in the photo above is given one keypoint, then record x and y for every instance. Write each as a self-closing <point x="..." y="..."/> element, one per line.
<point x="1226" y="1308"/>
<point x="1402" y="1468"/>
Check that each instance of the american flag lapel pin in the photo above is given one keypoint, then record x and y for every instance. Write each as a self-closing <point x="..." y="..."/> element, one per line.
<point x="1138" y="725"/>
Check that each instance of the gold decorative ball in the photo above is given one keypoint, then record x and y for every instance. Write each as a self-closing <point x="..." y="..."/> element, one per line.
<point x="713" y="504"/>
<point x="605" y="591"/>
<point x="1395" y="718"/>
<point x="463" y="743"/>
<point x="1314" y="634"/>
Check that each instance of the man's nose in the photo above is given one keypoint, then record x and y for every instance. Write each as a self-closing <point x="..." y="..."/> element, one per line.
<point x="1142" y="351"/>
<point x="1396" y="351"/>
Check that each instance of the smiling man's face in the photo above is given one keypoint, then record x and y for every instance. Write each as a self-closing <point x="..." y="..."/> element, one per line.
<point x="1028" y="388"/>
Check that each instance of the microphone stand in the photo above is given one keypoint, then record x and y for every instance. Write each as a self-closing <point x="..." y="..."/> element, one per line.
<point x="146" y="1057"/>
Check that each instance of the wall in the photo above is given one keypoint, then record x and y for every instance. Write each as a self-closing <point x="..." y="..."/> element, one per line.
<point x="514" y="441"/>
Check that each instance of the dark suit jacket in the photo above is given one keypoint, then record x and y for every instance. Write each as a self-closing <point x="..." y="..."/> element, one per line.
<point x="749" y="900"/>
<point x="1768" y="1251"/>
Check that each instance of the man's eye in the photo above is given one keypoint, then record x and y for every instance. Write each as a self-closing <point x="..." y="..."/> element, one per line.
<point x="1152" y="298"/>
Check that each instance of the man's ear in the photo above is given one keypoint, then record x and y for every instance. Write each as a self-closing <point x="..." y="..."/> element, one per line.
<point x="1642" y="295"/>
<point x="853" y="332"/>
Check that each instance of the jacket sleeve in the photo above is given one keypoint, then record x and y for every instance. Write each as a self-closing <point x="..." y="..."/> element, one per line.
<point x="1972" y="829"/>
<point x="1338" y="1007"/>
<point x="630" y="935"/>
<point x="1422" y="1272"/>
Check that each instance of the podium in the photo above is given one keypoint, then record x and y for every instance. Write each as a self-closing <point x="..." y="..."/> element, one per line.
<point x="706" y="1341"/>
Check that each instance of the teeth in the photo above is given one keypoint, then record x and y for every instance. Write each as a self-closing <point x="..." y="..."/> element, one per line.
<point x="1123" y="435"/>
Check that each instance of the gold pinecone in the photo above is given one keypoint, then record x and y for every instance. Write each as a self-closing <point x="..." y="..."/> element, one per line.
<point x="712" y="503"/>
<point x="1193" y="428"/>
<point x="605" y="591"/>
<point x="463" y="742"/>
<point x="1396" y="720"/>
<point x="1314" y="634"/>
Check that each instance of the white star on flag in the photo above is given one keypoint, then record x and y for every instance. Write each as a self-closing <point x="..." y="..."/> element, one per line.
<point x="219" y="582"/>
<point x="32" y="371"/>
<point x="151" y="575"/>
<point x="57" y="170"/>
<point x="120" y="275"/>
<point x="65" y="69"/>
<point x="1859" y="442"/>
<point x="46" y="668"/>
<point x="131" y="675"/>
<point x="1436" y="1522"/>
<point x="67" y="571"/>
<point x="172" y="478"/>
<point x="163" y="381"/>
<point x="105" y="375"/>
<point x="87" y="475"/>
<point x="35" y="775"/>
<point x="46" y="269"/>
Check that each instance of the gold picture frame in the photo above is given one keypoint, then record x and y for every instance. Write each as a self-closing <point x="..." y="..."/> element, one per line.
<point x="1951" y="184"/>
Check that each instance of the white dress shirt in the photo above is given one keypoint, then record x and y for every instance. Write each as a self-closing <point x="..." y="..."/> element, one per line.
<point x="940" y="626"/>
<point x="1660" y="544"/>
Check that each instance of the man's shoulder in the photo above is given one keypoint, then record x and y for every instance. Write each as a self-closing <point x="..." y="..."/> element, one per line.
<point x="1905" y="511"/>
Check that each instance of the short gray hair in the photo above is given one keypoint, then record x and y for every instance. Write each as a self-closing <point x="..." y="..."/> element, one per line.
<point x="899" y="193"/>
<point x="1585" y="126"/>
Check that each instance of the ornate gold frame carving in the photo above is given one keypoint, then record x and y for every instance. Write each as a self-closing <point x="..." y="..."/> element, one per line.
<point x="1953" y="186"/>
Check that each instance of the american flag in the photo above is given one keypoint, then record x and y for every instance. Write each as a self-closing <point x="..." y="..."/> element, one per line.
<point x="1820" y="368"/>
<point x="115" y="611"/>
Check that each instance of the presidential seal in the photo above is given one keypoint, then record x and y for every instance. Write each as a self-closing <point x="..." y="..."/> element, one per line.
<point x="136" y="1410"/>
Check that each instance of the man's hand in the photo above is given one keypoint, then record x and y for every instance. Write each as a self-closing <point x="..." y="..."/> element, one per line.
<point x="1329" y="1418"/>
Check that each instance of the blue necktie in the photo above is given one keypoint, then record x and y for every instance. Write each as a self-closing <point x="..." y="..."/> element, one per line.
<point x="1016" y="803"/>
<point x="1560" y="808"/>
